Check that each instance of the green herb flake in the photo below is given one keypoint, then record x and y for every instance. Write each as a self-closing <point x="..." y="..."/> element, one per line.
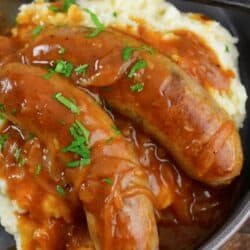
<point x="3" y="139"/>
<point x="137" y="87"/>
<point x="67" y="4"/>
<point x="60" y="190"/>
<point x="31" y="136"/>
<point x="37" y="30"/>
<point x="127" y="51"/>
<point x="81" y="69"/>
<point x="64" y="68"/>
<point x="53" y="8"/>
<point x="2" y="116"/>
<point x="67" y="103"/>
<point x="17" y="154"/>
<point x="114" y="14"/>
<point x="61" y="51"/>
<point x="80" y="145"/>
<point x="49" y="74"/>
<point x="99" y="26"/>
<point x="2" y="107"/>
<point x="141" y="64"/>
<point x="13" y="111"/>
<point x="80" y="163"/>
<point x="116" y="130"/>
<point x="22" y="162"/>
<point x="38" y="169"/>
<point x="110" y="139"/>
<point x="227" y="50"/>
<point x="108" y="181"/>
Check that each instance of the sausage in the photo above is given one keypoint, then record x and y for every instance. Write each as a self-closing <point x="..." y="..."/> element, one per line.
<point x="115" y="213"/>
<point x="173" y="108"/>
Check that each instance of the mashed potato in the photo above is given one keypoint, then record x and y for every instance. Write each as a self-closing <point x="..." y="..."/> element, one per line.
<point x="159" y="16"/>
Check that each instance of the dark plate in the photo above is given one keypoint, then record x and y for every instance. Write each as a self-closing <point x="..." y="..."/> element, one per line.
<point x="237" y="22"/>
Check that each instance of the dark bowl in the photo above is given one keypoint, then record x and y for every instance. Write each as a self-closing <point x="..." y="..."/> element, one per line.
<point x="237" y="22"/>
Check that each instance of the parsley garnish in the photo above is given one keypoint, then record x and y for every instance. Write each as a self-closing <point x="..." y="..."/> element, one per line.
<point x="99" y="26"/>
<point x="2" y="107"/>
<point x="227" y="49"/>
<point x="67" y="103"/>
<point x="38" y="29"/>
<point x="61" y="51"/>
<point x="3" y="139"/>
<point x="53" y="8"/>
<point x="13" y="111"/>
<point x="127" y="51"/>
<point x="38" y="169"/>
<point x="22" y="162"/>
<point x="31" y="136"/>
<point x="49" y="74"/>
<point x="67" y="4"/>
<point x="80" y="145"/>
<point x="137" y="87"/>
<point x="81" y="69"/>
<point x="115" y="14"/>
<point x="139" y="65"/>
<point x="108" y="181"/>
<point x="65" y="7"/>
<point x="17" y="154"/>
<point x="64" y="68"/>
<point x="60" y="190"/>
<point x="116" y="130"/>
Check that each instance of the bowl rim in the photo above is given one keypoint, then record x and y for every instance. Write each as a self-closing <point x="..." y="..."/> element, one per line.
<point x="232" y="225"/>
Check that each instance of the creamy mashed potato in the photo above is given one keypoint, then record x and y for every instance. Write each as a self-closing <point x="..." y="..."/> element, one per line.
<point x="159" y="16"/>
<point x="8" y="212"/>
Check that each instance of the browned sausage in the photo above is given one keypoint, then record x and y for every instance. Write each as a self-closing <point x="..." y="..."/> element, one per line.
<point x="172" y="107"/>
<point x="117" y="212"/>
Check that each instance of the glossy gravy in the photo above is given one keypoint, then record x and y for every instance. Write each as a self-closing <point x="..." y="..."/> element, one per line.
<point x="185" y="217"/>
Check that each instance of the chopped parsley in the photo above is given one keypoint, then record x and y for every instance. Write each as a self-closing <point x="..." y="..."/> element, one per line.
<point x="81" y="69"/>
<point x="137" y="87"/>
<point x="99" y="26"/>
<point x="38" y="169"/>
<point x="108" y="181"/>
<point x="3" y="139"/>
<point x="60" y="190"/>
<point x="17" y="154"/>
<point x="49" y="74"/>
<point x="61" y="51"/>
<point x="53" y="8"/>
<point x="116" y="130"/>
<point x="2" y="107"/>
<point x="31" y="136"/>
<point x="13" y="111"/>
<point x="110" y="139"/>
<point x="127" y="51"/>
<point x="64" y="68"/>
<point x="66" y="5"/>
<point x="141" y="64"/>
<point x="227" y="49"/>
<point x="114" y="14"/>
<point x="22" y="162"/>
<point x="67" y="103"/>
<point x="80" y="145"/>
<point x="37" y="30"/>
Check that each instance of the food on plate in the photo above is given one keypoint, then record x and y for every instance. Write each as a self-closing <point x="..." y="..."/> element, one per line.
<point x="88" y="133"/>
<point x="170" y="106"/>
<point x="119" y="126"/>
